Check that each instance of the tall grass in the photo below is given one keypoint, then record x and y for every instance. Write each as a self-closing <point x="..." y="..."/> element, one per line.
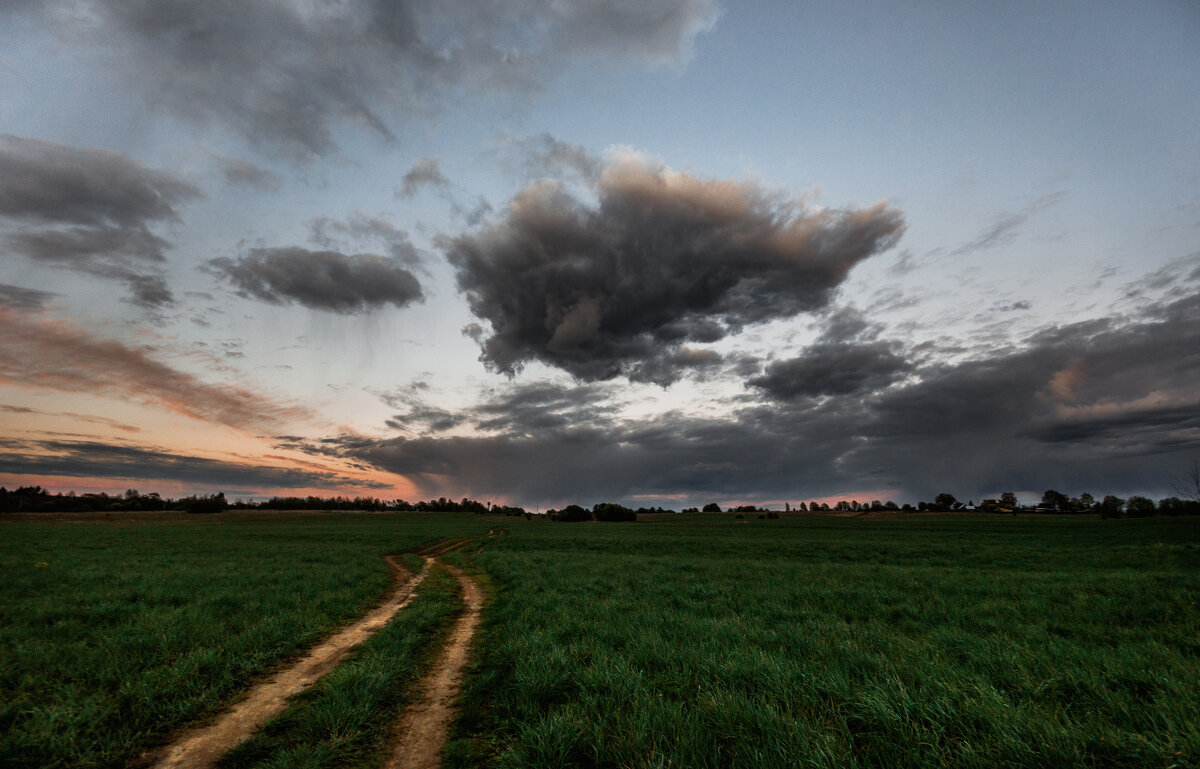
<point x="833" y="643"/>
<point x="112" y="637"/>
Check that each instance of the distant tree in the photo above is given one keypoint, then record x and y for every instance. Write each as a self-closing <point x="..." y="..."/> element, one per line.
<point x="890" y="505"/>
<point x="1187" y="486"/>
<point x="214" y="504"/>
<point x="944" y="501"/>
<point x="712" y="507"/>
<point x="1139" y="507"/>
<point x="1086" y="501"/>
<point x="1008" y="500"/>
<point x="1111" y="507"/>
<point x="1055" y="500"/>
<point x="1177" y="506"/>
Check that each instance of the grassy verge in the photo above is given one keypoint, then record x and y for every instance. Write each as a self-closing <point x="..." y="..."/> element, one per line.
<point x="112" y="637"/>
<point x="833" y="643"/>
<point x="346" y="718"/>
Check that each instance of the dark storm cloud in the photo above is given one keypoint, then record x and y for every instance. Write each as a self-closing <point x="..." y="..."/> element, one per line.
<point x="46" y="354"/>
<point x="285" y="74"/>
<point x="1106" y="406"/>
<point x="665" y="260"/>
<point x="89" y="210"/>
<point x="48" y="183"/>
<point x="426" y="172"/>
<point x="92" y="459"/>
<point x="320" y="280"/>
<point x="23" y="299"/>
<point x="833" y="369"/>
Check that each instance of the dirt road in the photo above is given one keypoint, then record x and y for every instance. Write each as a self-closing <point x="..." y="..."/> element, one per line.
<point x="423" y="729"/>
<point x="201" y="748"/>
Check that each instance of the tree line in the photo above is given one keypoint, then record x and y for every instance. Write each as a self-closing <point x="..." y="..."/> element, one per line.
<point x="36" y="499"/>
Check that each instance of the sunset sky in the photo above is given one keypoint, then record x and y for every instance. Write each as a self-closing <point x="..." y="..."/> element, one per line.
<point x="663" y="252"/>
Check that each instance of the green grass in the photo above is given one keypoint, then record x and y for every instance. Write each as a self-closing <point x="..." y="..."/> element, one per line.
<point x="838" y="643"/>
<point x="113" y="637"/>
<point x="346" y="718"/>
<point x="698" y="641"/>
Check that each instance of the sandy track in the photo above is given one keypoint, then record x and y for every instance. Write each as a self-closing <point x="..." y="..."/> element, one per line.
<point x="425" y="725"/>
<point x="201" y="748"/>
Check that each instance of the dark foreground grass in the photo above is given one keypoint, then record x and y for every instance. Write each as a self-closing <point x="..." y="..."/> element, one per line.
<point x="112" y="637"/>
<point x="837" y="643"/>
<point x="347" y="717"/>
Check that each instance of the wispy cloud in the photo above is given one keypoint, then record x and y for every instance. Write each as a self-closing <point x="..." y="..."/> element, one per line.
<point x="426" y="172"/>
<point x="1006" y="225"/>
<point x="96" y="459"/>
<point x="49" y="354"/>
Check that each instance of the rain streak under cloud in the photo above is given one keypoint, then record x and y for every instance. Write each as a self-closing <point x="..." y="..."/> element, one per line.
<point x="666" y="252"/>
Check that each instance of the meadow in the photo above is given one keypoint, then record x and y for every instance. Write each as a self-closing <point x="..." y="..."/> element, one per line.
<point x="689" y="641"/>
<point x="114" y="636"/>
<point x="831" y="642"/>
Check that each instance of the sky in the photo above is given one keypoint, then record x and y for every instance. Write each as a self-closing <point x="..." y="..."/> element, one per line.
<point x="537" y="252"/>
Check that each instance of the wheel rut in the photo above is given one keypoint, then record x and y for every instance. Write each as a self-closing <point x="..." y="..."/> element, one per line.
<point x="423" y="729"/>
<point x="200" y="748"/>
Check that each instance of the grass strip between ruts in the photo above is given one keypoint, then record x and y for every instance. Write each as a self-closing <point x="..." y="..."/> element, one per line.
<point x="345" y="719"/>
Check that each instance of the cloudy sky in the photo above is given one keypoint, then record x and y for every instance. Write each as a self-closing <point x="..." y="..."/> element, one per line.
<point x="663" y="252"/>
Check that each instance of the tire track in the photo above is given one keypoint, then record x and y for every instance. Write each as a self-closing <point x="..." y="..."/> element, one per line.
<point x="200" y="748"/>
<point x="426" y="723"/>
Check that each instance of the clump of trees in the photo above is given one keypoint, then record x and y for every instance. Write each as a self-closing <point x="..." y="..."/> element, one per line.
<point x="607" y="512"/>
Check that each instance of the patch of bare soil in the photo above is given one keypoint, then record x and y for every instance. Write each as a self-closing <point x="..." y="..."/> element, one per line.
<point x="423" y="729"/>
<point x="443" y="546"/>
<point x="202" y="747"/>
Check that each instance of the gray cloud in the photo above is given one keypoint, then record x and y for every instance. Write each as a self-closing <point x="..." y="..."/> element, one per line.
<point x="666" y="259"/>
<point x="284" y="75"/>
<point x="359" y="229"/>
<point x="93" y="459"/>
<point x="44" y="182"/>
<point x="320" y="280"/>
<point x="23" y="299"/>
<point x="242" y="173"/>
<point x="426" y="172"/>
<point x="89" y="210"/>
<point x="833" y="369"/>
<point x="1104" y="406"/>
<point x="544" y="157"/>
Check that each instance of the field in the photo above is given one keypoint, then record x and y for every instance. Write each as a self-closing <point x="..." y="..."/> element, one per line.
<point x="692" y="641"/>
